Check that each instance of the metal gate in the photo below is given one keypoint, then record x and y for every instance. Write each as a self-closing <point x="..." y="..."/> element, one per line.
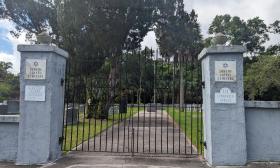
<point x="139" y="102"/>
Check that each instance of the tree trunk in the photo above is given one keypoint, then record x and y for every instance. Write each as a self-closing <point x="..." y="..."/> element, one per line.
<point x="182" y="82"/>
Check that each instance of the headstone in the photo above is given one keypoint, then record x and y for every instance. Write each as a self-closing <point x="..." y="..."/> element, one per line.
<point x="153" y="107"/>
<point x="114" y="110"/>
<point x="3" y="109"/>
<point x="81" y="108"/>
<point x="72" y="115"/>
<point x="13" y="106"/>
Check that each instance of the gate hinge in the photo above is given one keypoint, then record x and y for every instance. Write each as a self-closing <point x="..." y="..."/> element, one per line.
<point x="205" y="144"/>
<point x="60" y="140"/>
<point x="203" y="84"/>
<point x="61" y="81"/>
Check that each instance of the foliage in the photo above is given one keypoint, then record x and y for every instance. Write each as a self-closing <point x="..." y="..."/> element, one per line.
<point x="273" y="50"/>
<point x="275" y="27"/>
<point x="262" y="80"/>
<point x="9" y="83"/>
<point x="29" y="15"/>
<point x="252" y="33"/>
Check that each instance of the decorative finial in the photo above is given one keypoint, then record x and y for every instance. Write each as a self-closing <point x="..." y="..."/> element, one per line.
<point x="44" y="38"/>
<point x="219" y="39"/>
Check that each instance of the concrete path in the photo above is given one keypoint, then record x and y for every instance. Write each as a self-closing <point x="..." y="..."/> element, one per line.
<point x="144" y="133"/>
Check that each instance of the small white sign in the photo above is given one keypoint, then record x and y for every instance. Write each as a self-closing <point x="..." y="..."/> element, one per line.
<point x="35" y="69"/>
<point x="35" y="93"/>
<point x="225" y="96"/>
<point x="225" y="71"/>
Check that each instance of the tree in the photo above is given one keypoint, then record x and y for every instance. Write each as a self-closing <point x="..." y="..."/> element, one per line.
<point x="178" y="35"/>
<point x="30" y="16"/>
<point x="252" y="33"/>
<point x="275" y="27"/>
<point x="9" y="83"/>
<point x="262" y="80"/>
<point x="273" y="50"/>
<point x="89" y="30"/>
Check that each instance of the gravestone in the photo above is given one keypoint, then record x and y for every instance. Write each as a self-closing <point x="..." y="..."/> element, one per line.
<point x="3" y="109"/>
<point x="114" y="110"/>
<point x="72" y="115"/>
<point x="13" y="106"/>
<point x="153" y="107"/>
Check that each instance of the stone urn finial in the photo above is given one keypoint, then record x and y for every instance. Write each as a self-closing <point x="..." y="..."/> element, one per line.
<point x="219" y="39"/>
<point x="44" y="38"/>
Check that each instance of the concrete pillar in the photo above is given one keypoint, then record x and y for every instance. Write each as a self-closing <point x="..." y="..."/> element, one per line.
<point x="41" y="103"/>
<point x="223" y="105"/>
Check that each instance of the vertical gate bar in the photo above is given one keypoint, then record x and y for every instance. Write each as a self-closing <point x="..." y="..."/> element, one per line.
<point x="100" y="135"/>
<point x="139" y="95"/>
<point x="201" y="132"/>
<point x="84" y="113"/>
<point x="128" y="89"/>
<point x="196" y="104"/>
<point x="113" y="122"/>
<point x="162" y="102"/>
<point x="67" y="92"/>
<point x="124" y="131"/>
<point x="120" y="94"/>
<point x="144" y="123"/>
<point x="186" y="107"/>
<point x="200" y="109"/>
<point x="132" y="114"/>
<point x="73" y="106"/>
<point x="89" y="119"/>
<point x="107" y="121"/>
<point x="151" y="56"/>
<point x="132" y="142"/>
<point x="168" y="107"/>
<point x="78" y="117"/>
<point x="63" y="118"/>
<point x="155" y="97"/>
<point x="173" y="105"/>
<point x="185" y="126"/>
<point x="192" y="93"/>
<point x="126" y="84"/>
<point x="180" y="69"/>
<point x="106" y="132"/>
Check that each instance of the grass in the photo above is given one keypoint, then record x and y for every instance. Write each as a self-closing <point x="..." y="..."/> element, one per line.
<point x="191" y="123"/>
<point x="85" y="129"/>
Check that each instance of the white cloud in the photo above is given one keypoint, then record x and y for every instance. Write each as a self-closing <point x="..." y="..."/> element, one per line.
<point x="15" y="57"/>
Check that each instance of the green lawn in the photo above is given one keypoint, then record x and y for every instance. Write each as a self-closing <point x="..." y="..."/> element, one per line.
<point x="88" y="128"/>
<point x="191" y="123"/>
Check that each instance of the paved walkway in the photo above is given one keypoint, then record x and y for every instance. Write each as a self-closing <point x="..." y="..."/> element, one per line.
<point x="154" y="133"/>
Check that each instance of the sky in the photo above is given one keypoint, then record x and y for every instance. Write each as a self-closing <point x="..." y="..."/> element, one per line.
<point x="206" y="10"/>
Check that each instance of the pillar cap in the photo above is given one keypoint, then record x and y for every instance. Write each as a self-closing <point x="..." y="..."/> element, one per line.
<point x="42" y="48"/>
<point x="221" y="49"/>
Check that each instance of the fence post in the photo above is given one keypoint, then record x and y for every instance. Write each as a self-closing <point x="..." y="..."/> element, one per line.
<point x="42" y="75"/>
<point x="223" y="105"/>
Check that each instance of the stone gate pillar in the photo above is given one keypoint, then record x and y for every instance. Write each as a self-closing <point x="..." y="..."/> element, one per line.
<point x="42" y="75"/>
<point x="223" y="105"/>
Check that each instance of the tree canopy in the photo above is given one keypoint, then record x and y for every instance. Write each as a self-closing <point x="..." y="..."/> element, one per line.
<point x="252" y="33"/>
<point x="9" y="83"/>
<point x="262" y="80"/>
